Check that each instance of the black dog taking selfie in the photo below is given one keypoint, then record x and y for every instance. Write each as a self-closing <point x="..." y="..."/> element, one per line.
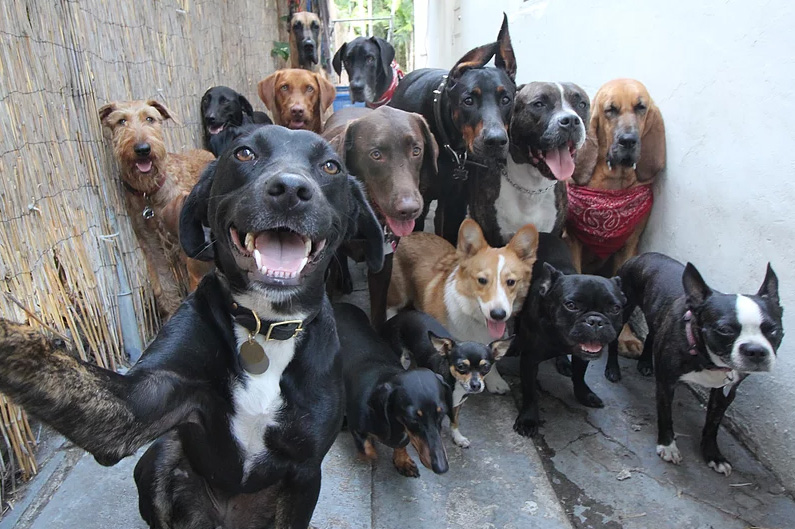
<point x="242" y="387"/>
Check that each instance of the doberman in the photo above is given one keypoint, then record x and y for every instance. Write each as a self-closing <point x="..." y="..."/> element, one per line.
<point x="469" y="109"/>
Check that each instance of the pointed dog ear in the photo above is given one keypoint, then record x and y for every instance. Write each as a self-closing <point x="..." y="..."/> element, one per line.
<point x="769" y="288"/>
<point x="500" y="347"/>
<point x="336" y="61"/>
<point x="475" y="58"/>
<point x="470" y="238"/>
<point x="267" y="91"/>
<point x="442" y="345"/>
<point x="525" y="243"/>
<point x="504" y="58"/>
<point x="549" y="275"/>
<point x="696" y="288"/>
<point x="245" y="105"/>
<point x="363" y="221"/>
<point x="387" y="54"/>
<point x="652" y="145"/>
<point x="193" y="218"/>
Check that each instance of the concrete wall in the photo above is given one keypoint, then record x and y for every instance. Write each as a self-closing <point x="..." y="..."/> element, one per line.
<point x="722" y="72"/>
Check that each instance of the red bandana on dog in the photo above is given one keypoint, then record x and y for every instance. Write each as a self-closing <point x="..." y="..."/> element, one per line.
<point x="386" y="97"/>
<point x="603" y="220"/>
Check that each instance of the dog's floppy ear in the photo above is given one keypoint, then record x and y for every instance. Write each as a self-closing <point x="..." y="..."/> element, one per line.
<point x="343" y="142"/>
<point x="504" y="58"/>
<point x="106" y="111"/>
<point x="696" y="288"/>
<point x="267" y="90"/>
<point x="769" y="288"/>
<point x="586" y="156"/>
<point x="470" y="238"/>
<point x="336" y="61"/>
<point x="363" y="221"/>
<point x="379" y="402"/>
<point x="475" y="58"/>
<point x="652" y="145"/>
<point x="443" y="346"/>
<point x="163" y="110"/>
<point x="549" y="275"/>
<point x="327" y="92"/>
<point x="429" y="165"/>
<point x="193" y="217"/>
<point x="500" y="347"/>
<point x="245" y="106"/>
<point x="387" y="54"/>
<point x="525" y="243"/>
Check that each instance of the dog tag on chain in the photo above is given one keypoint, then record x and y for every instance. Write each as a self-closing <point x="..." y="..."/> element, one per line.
<point x="148" y="212"/>
<point x="253" y="358"/>
<point x="460" y="174"/>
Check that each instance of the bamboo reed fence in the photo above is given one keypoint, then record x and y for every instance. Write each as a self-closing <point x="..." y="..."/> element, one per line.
<point x="65" y="237"/>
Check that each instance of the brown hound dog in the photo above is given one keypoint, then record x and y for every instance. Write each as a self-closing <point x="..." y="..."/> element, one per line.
<point x="611" y="201"/>
<point x="156" y="184"/>
<point x="297" y="98"/>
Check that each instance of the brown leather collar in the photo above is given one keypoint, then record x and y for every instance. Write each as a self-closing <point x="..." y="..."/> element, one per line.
<point x="137" y="192"/>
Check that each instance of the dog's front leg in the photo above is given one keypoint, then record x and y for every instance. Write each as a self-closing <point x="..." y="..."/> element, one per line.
<point x="719" y="401"/>
<point x="527" y="422"/>
<point x="378" y="283"/>
<point x="297" y="501"/>
<point x="582" y="392"/>
<point x="666" y="442"/>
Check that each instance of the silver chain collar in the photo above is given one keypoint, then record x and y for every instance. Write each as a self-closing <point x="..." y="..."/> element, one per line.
<point x="524" y="190"/>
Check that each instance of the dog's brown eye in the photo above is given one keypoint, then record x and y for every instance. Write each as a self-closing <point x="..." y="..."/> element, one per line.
<point x="332" y="167"/>
<point x="416" y="151"/>
<point x="482" y="280"/>
<point x="376" y="154"/>
<point x="150" y="119"/>
<point x="310" y="89"/>
<point x="611" y="111"/>
<point x="244" y="154"/>
<point x="511" y="282"/>
<point x="284" y="88"/>
<point x="122" y="121"/>
<point x="461" y="369"/>
<point x="640" y="107"/>
<point x="570" y="305"/>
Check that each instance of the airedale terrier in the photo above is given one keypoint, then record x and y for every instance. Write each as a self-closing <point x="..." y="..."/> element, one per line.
<point x="156" y="184"/>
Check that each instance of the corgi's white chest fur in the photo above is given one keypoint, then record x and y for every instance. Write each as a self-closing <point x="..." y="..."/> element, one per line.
<point x="257" y="399"/>
<point x="516" y="208"/>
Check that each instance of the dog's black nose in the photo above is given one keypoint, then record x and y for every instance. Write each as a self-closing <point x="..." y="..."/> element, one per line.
<point x="595" y="321"/>
<point x="496" y="137"/>
<point x="289" y="190"/>
<point x="753" y="351"/>
<point x="309" y="45"/>
<point x="628" y="141"/>
<point x="210" y="119"/>
<point x="475" y="384"/>
<point x="142" y="149"/>
<point x="497" y="314"/>
<point x="357" y="86"/>
<point x="568" y="121"/>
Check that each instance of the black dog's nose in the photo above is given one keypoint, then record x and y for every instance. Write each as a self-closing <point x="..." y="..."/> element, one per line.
<point x="357" y="86"/>
<point x="142" y="149"/>
<point x="289" y="190"/>
<point x="496" y="138"/>
<point x="753" y="351"/>
<point x="568" y="121"/>
<point x="628" y="141"/>
<point x="497" y="314"/>
<point x="595" y="321"/>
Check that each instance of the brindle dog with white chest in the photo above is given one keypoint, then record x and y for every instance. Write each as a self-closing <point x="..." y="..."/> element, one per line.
<point x="242" y="388"/>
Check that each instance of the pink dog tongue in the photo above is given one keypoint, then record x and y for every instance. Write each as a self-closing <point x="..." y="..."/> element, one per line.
<point x="144" y="167"/>
<point x="280" y="251"/>
<point x="215" y="129"/>
<point x="560" y="162"/>
<point x="496" y="328"/>
<point x="591" y="347"/>
<point x="401" y="228"/>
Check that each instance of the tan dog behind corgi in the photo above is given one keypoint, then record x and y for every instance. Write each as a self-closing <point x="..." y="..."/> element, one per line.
<point x="473" y="290"/>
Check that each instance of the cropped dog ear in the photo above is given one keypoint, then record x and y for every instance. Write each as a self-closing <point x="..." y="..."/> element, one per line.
<point x="163" y="110"/>
<point x="245" y="106"/>
<point x="769" y="288"/>
<point x="327" y="92"/>
<point x="696" y="288"/>
<point x="549" y="275"/>
<point x="442" y="345"/>
<point x="106" y="111"/>
<point x="476" y="58"/>
<point x="363" y="221"/>
<point x="336" y="61"/>
<point x="470" y="238"/>
<point x="267" y="91"/>
<point x="387" y="55"/>
<point x="500" y="347"/>
<point x="586" y="156"/>
<point x="193" y="218"/>
<point x="525" y="243"/>
<point x="504" y="58"/>
<point x="652" y="146"/>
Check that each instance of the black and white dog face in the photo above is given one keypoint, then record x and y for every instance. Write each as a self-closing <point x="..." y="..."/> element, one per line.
<point x="278" y="203"/>
<point x="368" y="62"/>
<point x="742" y="332"/>
<point x="585" y="310"/>
<point x="549" y="125"/>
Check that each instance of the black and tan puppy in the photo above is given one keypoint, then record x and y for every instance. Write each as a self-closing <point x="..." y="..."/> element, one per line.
<point x="242" y="388"/>
<point x="547" y="129"/>
<point x="390" y="151"/>
<point x="469" y="109"/>
<point x="699" y="336"/>
<point x="564" y="313"/>
<point x="463" y="365"/>
<point x="386" y="402"/>
<point x="372" y="72"/>
<point x="221" y="109"/>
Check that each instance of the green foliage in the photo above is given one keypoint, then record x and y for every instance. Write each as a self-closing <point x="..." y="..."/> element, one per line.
<point x="281" y="49"/>
<point x="402" y="27"/>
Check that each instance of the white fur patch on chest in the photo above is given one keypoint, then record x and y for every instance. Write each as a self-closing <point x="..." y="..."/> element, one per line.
<point x="711" y="378"/>
<point x="516" y="208"/>
<point x="464" y="319"/>
<point x="257" y="399"/>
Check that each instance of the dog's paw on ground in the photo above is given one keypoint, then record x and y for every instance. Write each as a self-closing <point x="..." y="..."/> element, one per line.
<point x="404" y="464"/>
<point x="613" y="373"/>
<point x="589" y="398"/>
<point x="496" y="384"/>
<point x="670" y="453"/>
<point x="721" y="467"/>
<point x="460" y="440"/>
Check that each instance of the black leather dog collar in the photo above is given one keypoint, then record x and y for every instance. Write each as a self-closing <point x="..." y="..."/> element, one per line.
<point x="272" y="330"/>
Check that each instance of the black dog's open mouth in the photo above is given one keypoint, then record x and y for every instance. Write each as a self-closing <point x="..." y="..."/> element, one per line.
<point x="589" y="350"/>
<point x="277" y="255"/>
<point x="215" y="129"/>
<point x="560" y="160"/>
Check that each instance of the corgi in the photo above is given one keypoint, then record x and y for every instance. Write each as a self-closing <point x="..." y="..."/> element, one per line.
<point x="473" y="290"/>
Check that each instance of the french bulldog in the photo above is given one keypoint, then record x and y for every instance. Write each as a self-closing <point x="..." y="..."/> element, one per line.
<point x="700" y="336"/>
<point x="564" y="313"/>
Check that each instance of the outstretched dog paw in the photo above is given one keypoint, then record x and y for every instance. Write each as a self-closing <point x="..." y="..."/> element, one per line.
<point x="526" y="426"/>
<point x="495" y="383"/>
<point x="613" y="373"/>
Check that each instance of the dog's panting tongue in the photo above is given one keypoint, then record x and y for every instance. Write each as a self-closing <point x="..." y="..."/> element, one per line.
<point x="591" y="347"/>
<point x="215" y="129"/>
<point x="496" y="328"/>
<point x="560" y="162"/>
<point x="144" y="166"/>
<point x="281" y="251"/>
<point x="401" y="228"/>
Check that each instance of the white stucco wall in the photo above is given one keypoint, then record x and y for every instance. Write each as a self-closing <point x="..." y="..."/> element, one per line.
<point x="723" y="74"/>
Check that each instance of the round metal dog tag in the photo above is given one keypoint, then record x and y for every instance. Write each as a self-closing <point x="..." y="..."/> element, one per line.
<point x="148" y="213"/>
<point x="253" y="358"/>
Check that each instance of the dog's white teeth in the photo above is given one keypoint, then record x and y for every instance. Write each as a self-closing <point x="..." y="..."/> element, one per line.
<point x="609" y="166"/>
<point x="307" y="246"/>
<point x="303" y="263"/>
<point x="320" y="246"/>
<point x="258" y="259"/>
<point x="250" y="242"/>
<point x="634" y="167"/>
